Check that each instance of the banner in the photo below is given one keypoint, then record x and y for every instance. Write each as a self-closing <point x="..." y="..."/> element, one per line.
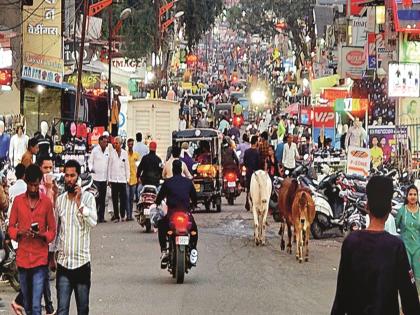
<point x="324" y="117"/>
<point x="42" y="43"/>
<point x="409" y="111"/>
<point x="382" y="142"/>
<point x="404" y="80"/>
<point x="377" y="49"/>
<point x="359" y="28"/>
<point x="353" y="62"/>
<point x="353" y="7"/>
<point x="358" y="161"/>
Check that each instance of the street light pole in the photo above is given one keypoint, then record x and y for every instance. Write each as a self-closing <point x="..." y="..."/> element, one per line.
<point x="80" y="64"/>
<point x="109" y="61"/>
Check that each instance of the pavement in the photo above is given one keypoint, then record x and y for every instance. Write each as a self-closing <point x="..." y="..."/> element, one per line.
<point x="233" y="276"/>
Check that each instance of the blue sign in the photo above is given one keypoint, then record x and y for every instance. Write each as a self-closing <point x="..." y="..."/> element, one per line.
<point x="372" y="62"/>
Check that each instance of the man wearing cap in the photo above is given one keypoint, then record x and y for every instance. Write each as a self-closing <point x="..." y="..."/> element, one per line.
<point x="149" y="170"/>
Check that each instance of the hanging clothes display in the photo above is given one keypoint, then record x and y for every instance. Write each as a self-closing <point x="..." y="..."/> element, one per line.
<point x="45" y="144"/>
<point x="18" y="146"/>
<point x="115" y="117"/>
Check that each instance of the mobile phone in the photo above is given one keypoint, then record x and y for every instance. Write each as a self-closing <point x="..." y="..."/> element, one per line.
<point x="35" y="227"/>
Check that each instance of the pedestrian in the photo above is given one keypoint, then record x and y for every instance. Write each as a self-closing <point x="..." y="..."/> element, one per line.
<point x="374" y="268"/>
<point x="263" y="145"/>
<point x="182" y="123"/>
<point x="224" y="124"/>
<point x="186" y="156"/>
<point x="140" y="147"/>
<point x="281" y="128"/>
<point x="279" y="151"/>
<point x="408" y="221"/>
<point x="242" y="147"/>
<point x="118" y="177"/>
<point x="98" y="166"/>
<point x="290" y="154"/>
<point x="271" y="164"/>
<point x="28" y="156"/>
<point x="133" y="159"/>
<point x="32" y="225"/>
<point x="50" y="189"/>
<point x="252" y="162"/>
<point x="76" y="215"/>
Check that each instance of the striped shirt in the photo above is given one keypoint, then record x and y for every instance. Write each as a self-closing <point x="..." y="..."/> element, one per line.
<point x="73" y="230"/>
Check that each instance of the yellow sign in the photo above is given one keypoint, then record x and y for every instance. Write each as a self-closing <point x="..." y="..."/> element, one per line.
<point x="42" y="43"/>
<point x="187" y="86"/>
<point x="89" y="81"/>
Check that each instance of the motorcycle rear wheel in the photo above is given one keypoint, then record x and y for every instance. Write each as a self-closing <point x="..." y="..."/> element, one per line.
<point x="231" y="199"/>
<point x="317" y="229"/>
<point x="180" y="265"/>
<point x="14" y="282"/>
<point x="148" y="225"/>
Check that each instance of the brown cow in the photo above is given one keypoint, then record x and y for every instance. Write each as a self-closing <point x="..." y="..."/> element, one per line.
<point x="303" y="214"/>
<point x="286" y="195"/>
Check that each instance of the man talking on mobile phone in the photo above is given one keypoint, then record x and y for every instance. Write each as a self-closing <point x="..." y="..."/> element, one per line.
<point x="76" y="215"/>
<point x="32" y="225"/>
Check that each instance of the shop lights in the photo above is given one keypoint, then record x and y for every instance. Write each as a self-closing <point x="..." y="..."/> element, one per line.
<point x="40" y="89"/>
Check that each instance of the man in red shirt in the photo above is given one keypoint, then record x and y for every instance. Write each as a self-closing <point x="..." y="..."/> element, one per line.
<point x="32" y="225"/>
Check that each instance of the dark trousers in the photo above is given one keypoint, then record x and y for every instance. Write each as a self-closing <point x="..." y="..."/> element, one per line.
<point x="100" y="200"/>
<point x="163" y="227"/>
<point x="119" y="193"/>
<point x="77" y="280"/>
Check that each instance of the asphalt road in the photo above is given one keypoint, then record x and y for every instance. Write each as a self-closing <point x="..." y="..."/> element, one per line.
<point x="233" y="276"/>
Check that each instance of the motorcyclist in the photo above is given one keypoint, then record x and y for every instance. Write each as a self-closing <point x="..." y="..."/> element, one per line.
<point x="149" y="170"/>
<point x="238" y="114"/>
<point x="178" y="192"/>
<point x="230" y="161"/>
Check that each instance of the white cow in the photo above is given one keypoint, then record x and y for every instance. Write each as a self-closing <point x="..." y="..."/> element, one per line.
<point x="259" y="198"/>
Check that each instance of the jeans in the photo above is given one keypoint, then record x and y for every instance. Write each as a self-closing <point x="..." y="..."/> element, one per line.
<point x="163" y="227"/>
<point x="77" y="280"/>
<point x="100" y="201"/>
<point x="32" y="283"/>
<point x="131" y="192"/>
<point x="119" y="193"/>
<point x="49" y="308"/>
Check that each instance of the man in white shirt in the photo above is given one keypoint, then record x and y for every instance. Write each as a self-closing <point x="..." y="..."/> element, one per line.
<point x="118" y="177"/>
<point x="290" y="154"/>
<point x="98" y="166"/>
<point x="140" y="147"/>
<point x="167" y="169"/>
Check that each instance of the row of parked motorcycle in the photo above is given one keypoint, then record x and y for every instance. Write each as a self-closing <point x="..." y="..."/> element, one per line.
<point x="340" y="199"/>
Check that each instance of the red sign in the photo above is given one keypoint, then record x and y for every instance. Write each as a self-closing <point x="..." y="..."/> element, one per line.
<point x="332" y="94"/>
<point x="355" y="58"/>
<point x="6" y="77"/>
<point x="324" y="117"/>
<point x="354" y="8"/>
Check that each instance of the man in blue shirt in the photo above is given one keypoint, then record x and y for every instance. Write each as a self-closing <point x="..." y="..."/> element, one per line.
<point x="140" y="147"/>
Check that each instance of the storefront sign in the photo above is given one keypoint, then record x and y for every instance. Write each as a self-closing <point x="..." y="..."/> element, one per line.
<point x="359" y="28"/>
<point x="72" y="50"/>
<point x="358" y="161"/>
<point x="324" y="117"/>
<point x="401" y="133"/>
<point x="353" y="62"/>
<point x="377" y="49"/>
<point x="332" y="94"/>
<point x="128" y="64"/>
<point x="350" y="105"/>
<point x="6" y="58"/>
<point x="42" y="48"/>
<point x="6" y="77"/>
<point x="409" y="50"/>
<point x="404" y="80"/>
<point x="89" y="81"/>
<point x="385" y="139"/>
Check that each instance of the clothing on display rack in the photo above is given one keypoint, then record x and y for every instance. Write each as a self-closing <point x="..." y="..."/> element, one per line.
<point x="45" y="144"/>
<point x="18" y="146"/>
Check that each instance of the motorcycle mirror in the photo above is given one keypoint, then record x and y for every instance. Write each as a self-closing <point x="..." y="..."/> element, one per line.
<point x="195" y="166"/>
<point x="161" y="182"/>
<point x="287" y="172"/>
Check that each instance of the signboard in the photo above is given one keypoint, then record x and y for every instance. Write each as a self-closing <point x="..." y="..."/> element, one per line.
<point x="71" y="53"/>
<point x="6" y="77"/>
<point x="89" y="81"/>
<point x="409" y="110"/>
<point x="128" y="65"/>
<point x="332" y="94"/>
<point x="324" y="117"/>
<point x="329" y="133"/>
<point x="383" y="137"/>
<point x="409" y="50"/>
<point x="377" y="49"/>
<point x="42" y="49"/>
<point x="353" y="62"/>
<point x="404" y="80"/>
<point x="353" y="7"/>
<point x="401" y="133"/>
<point x="6" y="58"/>
<point x="406" y="15"/>
<point x="359" y="28"/>
<point x="358" y="161"/>
<point x="351" y="104"/>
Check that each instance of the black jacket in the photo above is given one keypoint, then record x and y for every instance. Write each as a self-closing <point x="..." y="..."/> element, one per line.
<point x="150" y="169"/>
<point x="178" y="191"/>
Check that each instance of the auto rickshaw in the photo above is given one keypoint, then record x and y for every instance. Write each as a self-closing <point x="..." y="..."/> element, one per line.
<point x="205" y="148"/>
<point x="221" y="110"/>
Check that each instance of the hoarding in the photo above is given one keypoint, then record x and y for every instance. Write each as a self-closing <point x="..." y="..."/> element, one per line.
<point x="358" y="161"/>
<point x="353" y="62"/>
<point x="42" y="43"/>
<point x="404" y="80"/>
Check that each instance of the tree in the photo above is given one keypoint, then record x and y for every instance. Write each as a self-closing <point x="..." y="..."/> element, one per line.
<point x="260" y="17"/>
<point x="139" y="30"/>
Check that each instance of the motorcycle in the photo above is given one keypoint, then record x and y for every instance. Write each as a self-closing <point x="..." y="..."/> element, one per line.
<point x="273" y="206"/>
<point x="179" y="245"/>
<point x="143" y="210"/>
<point x="238" y="120"/>
<point x="231" y="186"/>
<point x="8" y="267"/>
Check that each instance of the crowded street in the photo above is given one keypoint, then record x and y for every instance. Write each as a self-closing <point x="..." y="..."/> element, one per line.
<point x="233" y="276"/>
<point x="209" y="157"/>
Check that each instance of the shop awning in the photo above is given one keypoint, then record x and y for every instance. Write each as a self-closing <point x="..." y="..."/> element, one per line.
<point x="407" y="16"/>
